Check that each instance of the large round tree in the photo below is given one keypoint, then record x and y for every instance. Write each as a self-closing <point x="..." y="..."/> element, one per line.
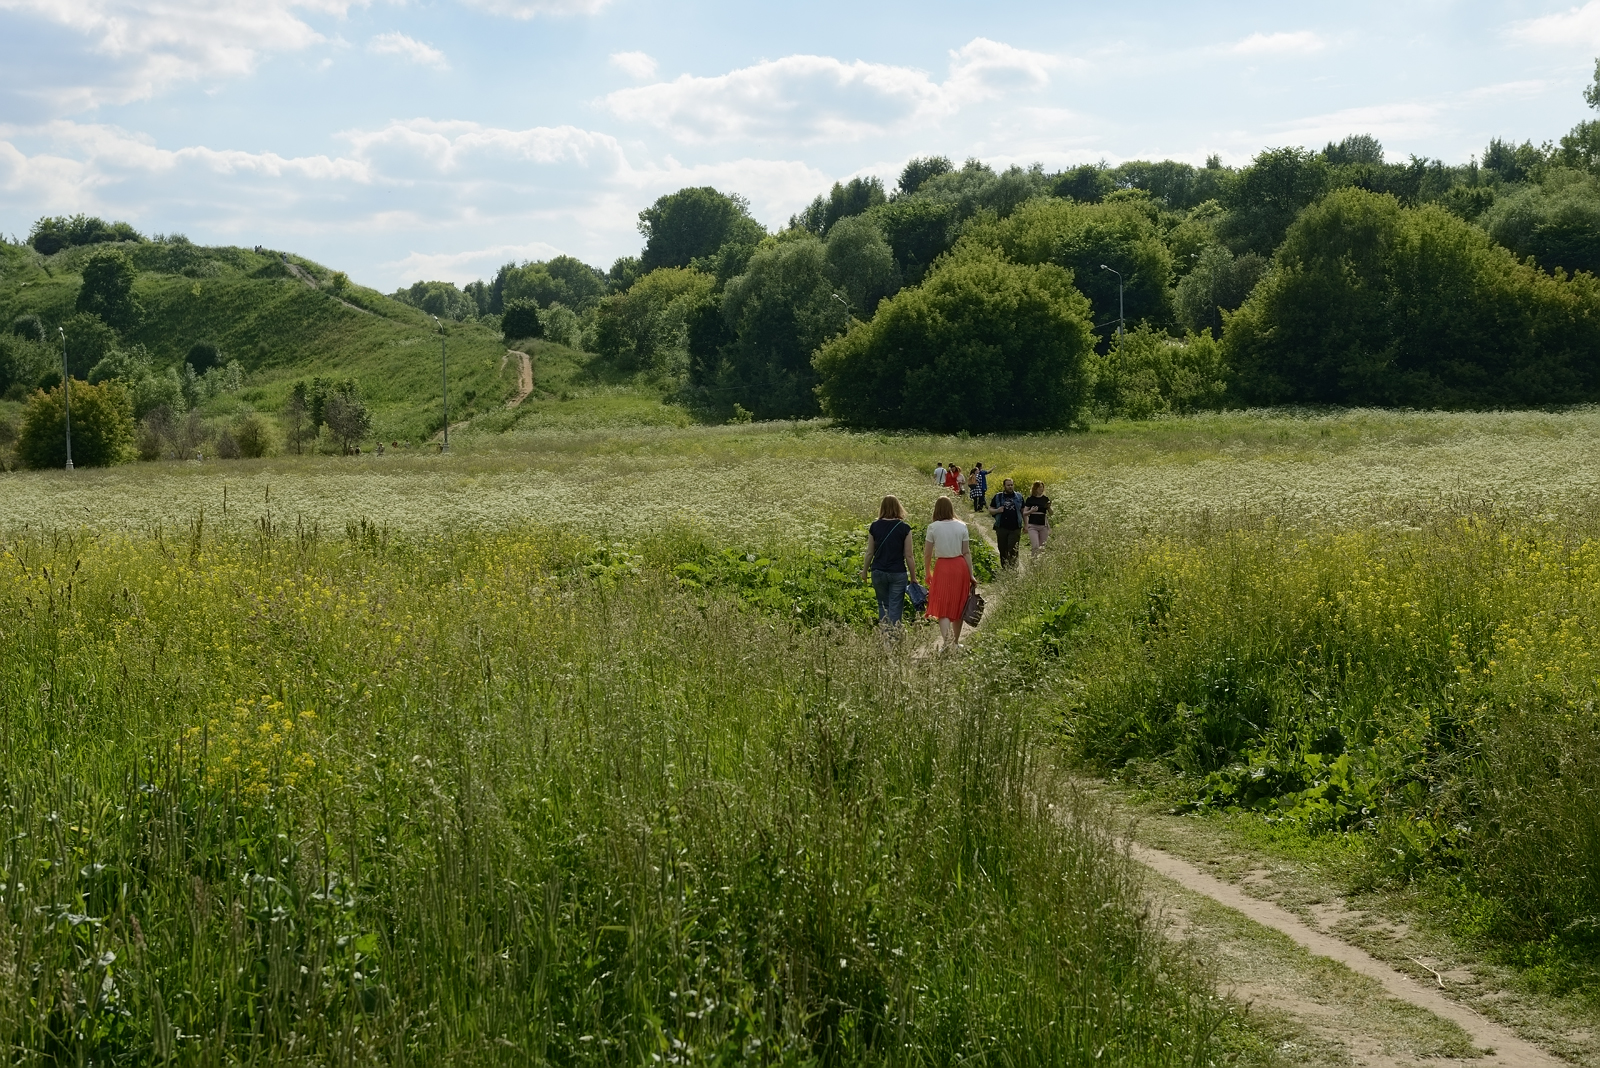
<point x="982" y="345"/>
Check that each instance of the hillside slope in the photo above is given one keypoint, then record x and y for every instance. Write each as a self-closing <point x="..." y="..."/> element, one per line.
<point x="282" y="325"/>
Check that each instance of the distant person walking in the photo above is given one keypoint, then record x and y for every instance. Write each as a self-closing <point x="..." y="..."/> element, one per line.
<point x="1036" y="508"/>
<point x="938" y="475"/>
<point x="952" y="478"/>
<point x="947" y="561"/>
<point x="1006" y="507"/>
<point x="978" y="486"/>
<point x="891" y="561"/>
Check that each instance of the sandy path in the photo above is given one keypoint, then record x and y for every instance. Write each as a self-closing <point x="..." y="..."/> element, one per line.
<point x="1506" y="1048"/>
<point x="524" y="377"/>
<point x="301" y="274"/>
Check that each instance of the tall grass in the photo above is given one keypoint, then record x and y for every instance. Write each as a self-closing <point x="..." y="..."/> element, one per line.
<point x="1432" y="685"/>
<point x="482" y="800"/>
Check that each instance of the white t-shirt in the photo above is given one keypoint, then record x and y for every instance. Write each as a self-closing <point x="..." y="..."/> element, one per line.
<point x="948" y="537"/>
<point x="938" y="475"/>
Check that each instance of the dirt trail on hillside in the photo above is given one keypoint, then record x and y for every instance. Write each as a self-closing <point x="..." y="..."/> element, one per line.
<point x="300" y="273"/>
<point x="524" y="377"/>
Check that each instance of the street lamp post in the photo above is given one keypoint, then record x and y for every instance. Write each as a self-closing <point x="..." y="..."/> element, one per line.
<point x="1120" y="317"/>
<point x="66" y="393"/>
<point x="444" y="386"/>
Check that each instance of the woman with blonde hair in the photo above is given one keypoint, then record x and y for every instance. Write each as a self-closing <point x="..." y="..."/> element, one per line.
<point x="947" y="560"/>
<point x="891" y="561"/>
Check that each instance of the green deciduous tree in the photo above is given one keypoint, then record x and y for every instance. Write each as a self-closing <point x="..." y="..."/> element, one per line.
<point x="52" y="234"/>
<point x="562" y="280"/>
<point x="440" y="298"/>
<point x="917" y="172"/>
<point x="861" y="263"/>
<point x="102" y="427"/>
<point x="984" y="344"/>
<point x="1267" y="196"/>
<point x="776" y="314"/>
<point x="107" y="290"/>
<point x="1146" y="373"/>
<point x="646" y="328"/>
<point x="348" y="419"/>
<point x="1557" y="221"/>
<point x="919" y="230"/>
<point x="89" y="340"/>
<point x="521" y="319"/>
<point x="1089" y="183"/>
<point x="1219" y="281"/>
<point x="682" y="227"/>
<point x="1121" y="234"/>
<point x="1368" y="302"/>
<point x="842" y="202"/>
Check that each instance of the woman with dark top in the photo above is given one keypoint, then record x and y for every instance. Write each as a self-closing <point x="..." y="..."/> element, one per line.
<point x="891" y="561"/>
<point x="1037" y="508"/>
<point x="978" y="487"/>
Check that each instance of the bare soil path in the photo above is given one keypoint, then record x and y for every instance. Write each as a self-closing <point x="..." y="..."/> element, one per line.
<point x="1325" y="999"/>
<point x="300" y="273"/>
<point x="524" y="377"/>
<point x="1359" y="1028"/>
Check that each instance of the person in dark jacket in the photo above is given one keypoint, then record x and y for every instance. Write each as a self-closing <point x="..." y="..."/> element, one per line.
<point x="1006" y="507"/>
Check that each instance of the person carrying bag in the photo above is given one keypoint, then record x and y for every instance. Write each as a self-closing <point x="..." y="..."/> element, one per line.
<point x="891" y="564"/>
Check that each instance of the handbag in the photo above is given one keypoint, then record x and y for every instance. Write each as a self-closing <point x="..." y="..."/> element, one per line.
<point x="972" y="614"/>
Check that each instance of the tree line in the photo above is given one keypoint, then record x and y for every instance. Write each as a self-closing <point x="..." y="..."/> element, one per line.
<point x="973" y="298"/>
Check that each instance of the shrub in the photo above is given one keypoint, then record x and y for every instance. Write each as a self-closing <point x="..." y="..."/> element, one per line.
<point x="645" y="328"/>
<point x="250" y="431"/>
<point x="203" y="356"/>
<point x="102" y="427"/>
<point x="28" y="326"/>
<point x="107" y="290"/>
<point x="1147" y="373"/>
<point x="1371" y="303"/>
<point x="983" y="345"/>
<point x="52" y="234"/>
<point x="227" y="447"/>
<point x="348" y="419"/>
<point x="1121" y="234"/>
<point x="89" y="340"/>
<point x="521" y="320"/>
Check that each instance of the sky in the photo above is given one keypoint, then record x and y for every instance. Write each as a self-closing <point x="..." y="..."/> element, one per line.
<point x="401" y="140"/>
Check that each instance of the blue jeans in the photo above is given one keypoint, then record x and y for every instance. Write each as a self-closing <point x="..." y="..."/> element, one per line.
<point x="890" y="586"/>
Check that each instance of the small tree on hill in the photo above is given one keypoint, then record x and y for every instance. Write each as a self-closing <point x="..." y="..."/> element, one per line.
<point x="107" y="290"/>
<point x="296" y="416"/>
<point x="521" y="320"/>
<point x="102" y="427"/>
<point x="348" y="419"/>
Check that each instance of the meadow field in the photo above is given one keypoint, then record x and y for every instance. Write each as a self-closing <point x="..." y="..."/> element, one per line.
<point x="577" y="745"/>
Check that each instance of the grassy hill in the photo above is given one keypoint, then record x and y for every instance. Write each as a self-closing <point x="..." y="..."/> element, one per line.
<point x="282" y="323"/>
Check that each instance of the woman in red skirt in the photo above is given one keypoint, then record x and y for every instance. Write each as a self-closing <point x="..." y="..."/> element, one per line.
<point x="947" y="542"/>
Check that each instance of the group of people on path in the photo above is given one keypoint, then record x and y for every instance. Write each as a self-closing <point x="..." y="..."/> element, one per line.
<point x="947" y="547"/>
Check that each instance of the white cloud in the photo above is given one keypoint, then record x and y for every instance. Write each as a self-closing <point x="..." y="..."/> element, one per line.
<point x="147" y="46"/>
<point x="1577" y="27"/>
<point x="819" y="98"/>
<point x="1301" y="42"/>
<point x="634" y="64"/>
<point x="463" y="267"/>
<point x="527" y="9"/>
<point x="398" y="44"/>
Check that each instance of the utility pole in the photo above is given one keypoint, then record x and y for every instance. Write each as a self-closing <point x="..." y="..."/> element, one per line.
<point x="444" y="385"/>
<point x="1120" y="319"/>
<point x="66" y="393"/>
